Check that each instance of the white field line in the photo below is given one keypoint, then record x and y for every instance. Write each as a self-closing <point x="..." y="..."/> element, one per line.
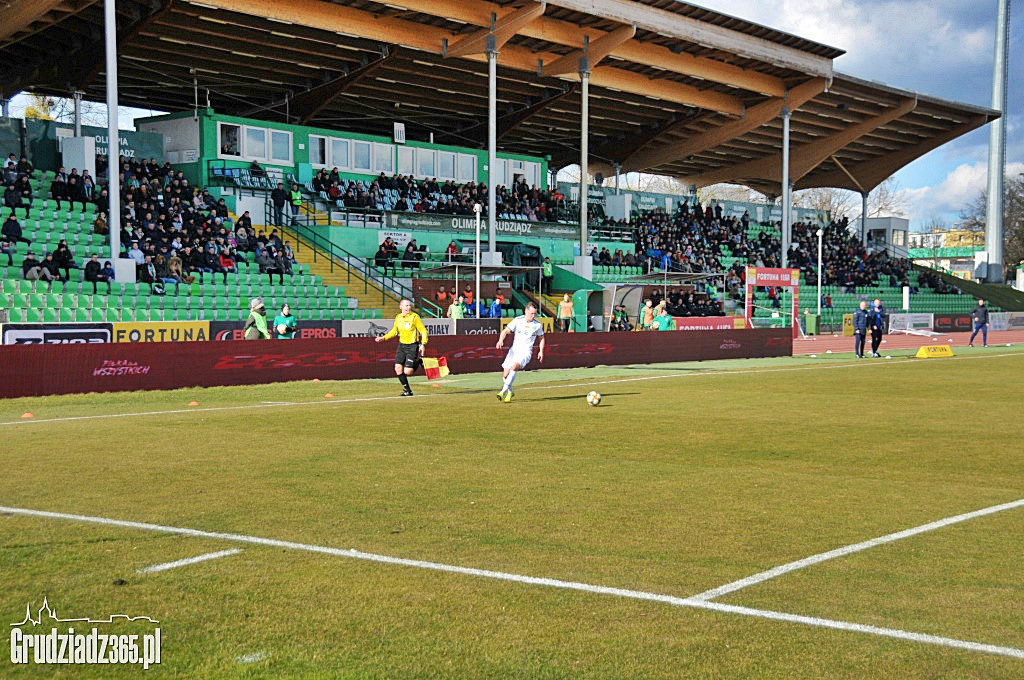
<point x="850" y="549"/>
<point x="589" y="383"/>
<point x="538" y="581"/>
<point x="189" y="560"/>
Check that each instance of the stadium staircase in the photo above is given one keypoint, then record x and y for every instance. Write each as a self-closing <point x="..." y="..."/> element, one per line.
<point x="335" y="271"/>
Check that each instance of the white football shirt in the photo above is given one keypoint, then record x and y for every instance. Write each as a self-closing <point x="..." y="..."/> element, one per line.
<point x="524" y="334"/>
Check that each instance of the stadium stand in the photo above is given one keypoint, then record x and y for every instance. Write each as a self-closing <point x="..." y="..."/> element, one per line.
<point x="223" y="262"/>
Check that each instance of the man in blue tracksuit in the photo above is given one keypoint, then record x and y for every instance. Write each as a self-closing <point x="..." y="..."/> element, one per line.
<point x="979" y="317"/>
<point x="860" y="329"/>
<point x="876" y="321"/>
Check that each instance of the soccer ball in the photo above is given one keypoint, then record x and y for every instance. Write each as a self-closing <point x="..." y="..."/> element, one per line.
<point x="282" y="328"/>
<point x="593" y="398"/>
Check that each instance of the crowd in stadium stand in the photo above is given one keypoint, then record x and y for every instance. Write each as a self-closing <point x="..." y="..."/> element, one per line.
<point x="693" y="241"/>
<point x="405" y="193"/>
<point x="173" y="232"/>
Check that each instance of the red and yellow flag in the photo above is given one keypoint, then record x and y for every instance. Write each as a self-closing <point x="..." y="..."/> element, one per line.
<point x="435" y="368"/>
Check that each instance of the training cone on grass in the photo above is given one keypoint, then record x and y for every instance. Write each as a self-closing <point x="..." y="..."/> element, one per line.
<point x="316" y="379"/>
<point x="26" y="414"/>
<point x="329" y="396"/>
<point x="193" y="403"/>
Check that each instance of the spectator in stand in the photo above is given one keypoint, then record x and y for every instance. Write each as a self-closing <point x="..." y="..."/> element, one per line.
<point x="108" y="271"/>
<point x="10" y="174"/>
<point x="268" y="266"/>
<point x="64" y="259"/>
<point x="547" y="274"/>
<point x="11" y="230"/>
<point x="99" y="225"/>
<point x="59" y="186"/>
<point x="94" y="273"/>
<point x="382" y="259"/>
<point x="176" y="268"/>
<point x="296" y="202"/>
<point x="468" y="295"/>
<point x="25" y="167"/>
<point x="279" y="197"/>
<point x="12" y="199"/>
<point x="33" y="270"/>
<point x="7" y="248"/>
<point x="451" y="253"/>
<point x="50" y="265"/>
<point x="227" y="262"/>
<point x="409" y="256"/>
<point x="211" y="260"/>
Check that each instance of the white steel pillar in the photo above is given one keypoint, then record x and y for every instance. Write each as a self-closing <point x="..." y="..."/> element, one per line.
<point x="787" y="190"/>
<point x="113" y="139"/>
<point x="584" y="151"/>
<point x="492" y="142"/>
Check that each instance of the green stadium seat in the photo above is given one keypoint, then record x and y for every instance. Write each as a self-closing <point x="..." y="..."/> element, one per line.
<point x="81" y="315"/>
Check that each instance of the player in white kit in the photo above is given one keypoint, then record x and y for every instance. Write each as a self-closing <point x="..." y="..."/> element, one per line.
<point x="525" y="329"/>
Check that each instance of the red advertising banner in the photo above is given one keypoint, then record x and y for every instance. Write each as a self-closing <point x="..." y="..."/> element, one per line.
<point x="34" y="370"/>
<point x="709" y="323"/>
<point x="767" y="276"/>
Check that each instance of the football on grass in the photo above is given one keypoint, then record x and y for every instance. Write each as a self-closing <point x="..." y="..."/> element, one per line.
<point x="593" y="398"/>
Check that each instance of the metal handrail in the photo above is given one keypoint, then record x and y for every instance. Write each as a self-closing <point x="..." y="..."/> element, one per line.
<point x="317" y="243"/>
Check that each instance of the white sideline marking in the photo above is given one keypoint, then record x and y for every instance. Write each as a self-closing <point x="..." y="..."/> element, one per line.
<point x="327" y="402"/>
<point x="189" y="560"/>
<point x="850" y="549"/>
<point x="538" y="581"/>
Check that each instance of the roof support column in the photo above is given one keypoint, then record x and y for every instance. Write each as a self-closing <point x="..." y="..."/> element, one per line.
<point x="113" y="138"/>
<point x="584" y="151"/>
<point x="77" y="96"/>
<point x="864" y="218"/>
<point x="787" y="190"/>
<point x="5" y="106"/>
<point x="618" y="176"/>
<point x="492" y="144"/>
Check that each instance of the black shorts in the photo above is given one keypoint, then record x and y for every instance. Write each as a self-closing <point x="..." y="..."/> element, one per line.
<point x="408" y="355"/>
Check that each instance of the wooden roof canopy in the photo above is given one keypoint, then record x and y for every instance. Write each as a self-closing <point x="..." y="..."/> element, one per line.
<point x="675" y="89"/>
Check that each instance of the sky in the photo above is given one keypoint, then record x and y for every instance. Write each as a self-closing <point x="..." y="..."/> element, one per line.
<point x="942" y="48"/>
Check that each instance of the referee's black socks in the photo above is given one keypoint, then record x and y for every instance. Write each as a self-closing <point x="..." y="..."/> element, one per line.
<point x="404" y="379"/>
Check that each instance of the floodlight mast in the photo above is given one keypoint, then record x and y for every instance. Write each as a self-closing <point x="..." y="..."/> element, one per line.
<point x="821" y="233"/>
<point x="994" y="228"/>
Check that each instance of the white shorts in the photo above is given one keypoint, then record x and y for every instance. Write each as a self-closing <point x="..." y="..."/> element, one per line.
<point x="512" y="358"/>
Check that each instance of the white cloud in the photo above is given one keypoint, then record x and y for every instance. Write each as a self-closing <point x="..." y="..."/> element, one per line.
<point x="961" y="186"/>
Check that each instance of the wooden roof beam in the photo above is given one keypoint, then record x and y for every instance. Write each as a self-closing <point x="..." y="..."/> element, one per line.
<point x="675" y="25"/>
<point x="502" y="29"/>
<point x="548" y="29"/>
<point x="805" y="157"/>
<point x="754" y="118"/>
<point x="341" y="19"/>
<point x="594" y="52"/>
<point x="17" y="16"/>
<point x="868" y="174"/>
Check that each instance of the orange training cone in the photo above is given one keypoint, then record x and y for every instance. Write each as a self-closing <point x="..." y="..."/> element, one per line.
<point x="328" y="396"/>
<point x="193" y="403"/>
<point x="26" y="414"/>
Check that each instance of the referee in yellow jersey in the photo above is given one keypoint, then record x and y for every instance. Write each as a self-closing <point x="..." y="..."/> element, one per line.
<point x="412" y="337"/>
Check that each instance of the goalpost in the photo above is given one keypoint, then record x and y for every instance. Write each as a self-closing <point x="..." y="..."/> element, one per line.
<point x="762" y="277"/>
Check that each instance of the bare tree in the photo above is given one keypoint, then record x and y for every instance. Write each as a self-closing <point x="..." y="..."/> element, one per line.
<point x="888" y="199"/>
<point x="62" y="109"/>
<point x="838" y="203"/>
<point x="972" y="218"/>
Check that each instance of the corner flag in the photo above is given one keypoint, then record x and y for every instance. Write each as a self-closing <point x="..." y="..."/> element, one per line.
<point x="435" y="368"/>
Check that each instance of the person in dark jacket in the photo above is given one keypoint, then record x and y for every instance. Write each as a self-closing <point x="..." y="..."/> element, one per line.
<point x="279" y="197"/>
<point x="12" y="230"/>
<point x="65" y="259"/>
<point x="94" y="273"/>
<point x="979" y="317"/>
<point x="876" y="322"/>
<point x="12" y="199"/>
<point x="860" y="329"/>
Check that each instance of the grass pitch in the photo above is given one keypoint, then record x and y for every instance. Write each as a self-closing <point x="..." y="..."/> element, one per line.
<point x="687" y="477"/>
